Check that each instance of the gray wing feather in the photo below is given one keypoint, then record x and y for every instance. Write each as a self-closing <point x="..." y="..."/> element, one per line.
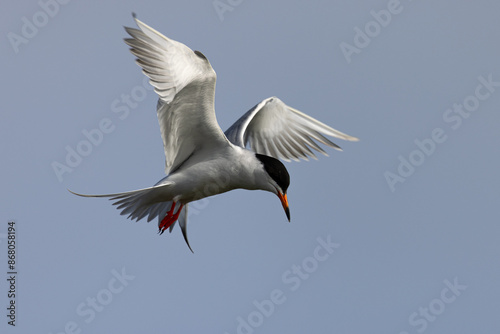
<point x="185" y="83"/>
<point x="275" y="129"/>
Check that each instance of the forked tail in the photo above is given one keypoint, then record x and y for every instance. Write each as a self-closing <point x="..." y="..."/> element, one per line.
<point x="142" y="203"/>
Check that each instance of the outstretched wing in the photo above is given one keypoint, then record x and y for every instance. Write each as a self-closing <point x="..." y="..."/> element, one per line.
<point x="185" y="83"/>
<point x="277" y="130"/>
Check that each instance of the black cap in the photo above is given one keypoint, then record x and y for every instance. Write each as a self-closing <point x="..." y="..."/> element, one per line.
<point x="276" y="170"/>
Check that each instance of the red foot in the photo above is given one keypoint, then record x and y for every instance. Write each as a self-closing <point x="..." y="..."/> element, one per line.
<point x="170" y="218"/>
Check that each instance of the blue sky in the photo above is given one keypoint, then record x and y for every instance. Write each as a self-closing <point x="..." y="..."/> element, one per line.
<point x="396" y="234"/>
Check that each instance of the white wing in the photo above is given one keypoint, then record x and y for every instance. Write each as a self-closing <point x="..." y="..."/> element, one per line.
<point x="185" y="82"/>
<point x="275" y="129"/>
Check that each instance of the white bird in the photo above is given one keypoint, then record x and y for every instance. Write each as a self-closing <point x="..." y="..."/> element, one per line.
<point x="201" y="160"/>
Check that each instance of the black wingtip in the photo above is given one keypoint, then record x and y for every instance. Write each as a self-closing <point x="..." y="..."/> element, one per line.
<point x="134" y="15"/>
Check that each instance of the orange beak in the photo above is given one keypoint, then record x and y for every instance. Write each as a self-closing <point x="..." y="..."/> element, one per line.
<point x="284" y="202"/>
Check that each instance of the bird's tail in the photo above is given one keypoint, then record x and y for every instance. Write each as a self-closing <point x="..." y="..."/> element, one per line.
<point x="183" y="216"/>
<point x="138" y="203"/>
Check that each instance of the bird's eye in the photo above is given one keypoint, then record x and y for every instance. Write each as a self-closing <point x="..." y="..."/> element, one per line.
<point x="201" y="55"/>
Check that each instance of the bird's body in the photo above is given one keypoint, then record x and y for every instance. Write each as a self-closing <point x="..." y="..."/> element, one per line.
<point x="201" y="160"/>
<point x="229" y="168"/>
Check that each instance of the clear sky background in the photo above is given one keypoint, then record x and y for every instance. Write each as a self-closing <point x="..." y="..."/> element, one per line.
<point x="410" y="251"/>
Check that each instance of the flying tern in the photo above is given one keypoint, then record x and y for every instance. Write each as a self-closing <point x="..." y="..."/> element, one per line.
<point x="201" y="160"/>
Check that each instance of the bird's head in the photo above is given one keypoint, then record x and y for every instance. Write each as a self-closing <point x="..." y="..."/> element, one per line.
<point x="278" y="179"/>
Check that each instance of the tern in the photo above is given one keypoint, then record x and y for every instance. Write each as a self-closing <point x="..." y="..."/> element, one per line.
<point x="200" y="159"/>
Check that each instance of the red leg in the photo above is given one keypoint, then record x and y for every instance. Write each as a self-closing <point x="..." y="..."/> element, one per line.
<point x="170" y="217"/>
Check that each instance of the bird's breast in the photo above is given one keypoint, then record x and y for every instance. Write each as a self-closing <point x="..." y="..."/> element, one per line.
<point x="211" y="177"/>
